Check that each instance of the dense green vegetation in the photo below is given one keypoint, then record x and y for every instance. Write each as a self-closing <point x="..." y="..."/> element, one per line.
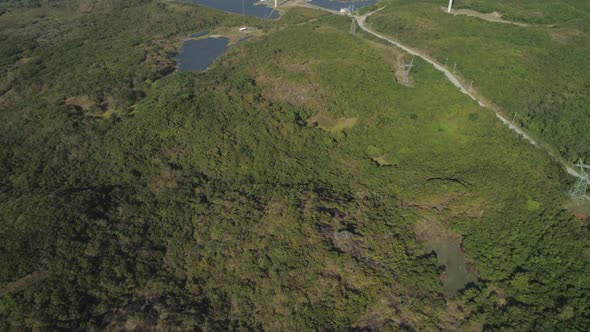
<point x="538" y="72"/>
<point x="293" y="186"/>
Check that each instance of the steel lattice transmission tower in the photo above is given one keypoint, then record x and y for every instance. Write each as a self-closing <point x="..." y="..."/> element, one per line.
<point x="351" y="13"/>
<point x="406" y="68"/>
<point x="352" y="26"/>
<point x="578" y="191"/>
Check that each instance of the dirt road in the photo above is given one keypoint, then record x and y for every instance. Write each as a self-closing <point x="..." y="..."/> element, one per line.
<point x="21" y="283"/>
<point x="494" y="17"/>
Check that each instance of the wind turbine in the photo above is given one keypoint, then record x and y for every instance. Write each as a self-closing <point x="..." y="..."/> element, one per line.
<point x="450" y="5"/>
<point x="243" y="28"/>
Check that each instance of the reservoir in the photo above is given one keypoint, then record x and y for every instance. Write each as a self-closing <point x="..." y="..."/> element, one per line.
<point x="235" y="6"/>
<point x="337" y="5"/>
<point x="268" y="13"/>
<point x="200" y="54"/>
<point x="197" y="55"/>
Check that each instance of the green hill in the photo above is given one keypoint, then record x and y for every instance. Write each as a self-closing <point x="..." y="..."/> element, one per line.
<point x="538" y="72"/>
<point x="295" y="185"/>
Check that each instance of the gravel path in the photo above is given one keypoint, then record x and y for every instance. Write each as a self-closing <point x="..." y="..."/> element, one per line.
<point x="494" y="17"/>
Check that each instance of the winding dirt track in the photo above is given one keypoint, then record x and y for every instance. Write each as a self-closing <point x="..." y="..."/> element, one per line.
<point x="21" y="283"/>
<point x="494" y="17"/>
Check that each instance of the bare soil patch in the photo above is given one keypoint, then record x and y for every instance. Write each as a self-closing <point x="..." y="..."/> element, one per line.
<point x="21" y="283"/>
<point x="233" y="34"/>
<point x="290" y="91"/>
<point x="382" y="161"/>
<point x="104" y="109"/>
<point x="23" y="61"/>
<point x="490" y="17"/>
<point x="564" y="36"/>
<point x="331" y="125"/>
<point x="81" y="103"/>
<point x="297" y="68"/>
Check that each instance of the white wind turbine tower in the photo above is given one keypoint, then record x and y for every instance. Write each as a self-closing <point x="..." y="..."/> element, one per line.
<point x="450" y="5"/>
<point x="243" y="14"/>
<point x="244" y="27"/>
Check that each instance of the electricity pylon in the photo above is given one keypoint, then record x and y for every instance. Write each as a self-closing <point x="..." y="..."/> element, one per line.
<point x="406" y="68"/>
<point x="578" y="191"/>
<point x="352" y="26"/>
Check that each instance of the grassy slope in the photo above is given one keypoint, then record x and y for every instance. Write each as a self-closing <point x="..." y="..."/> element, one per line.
<point x="538" y="71"/>
<point x="535" y="11"/>
<point x="214" y="203"/>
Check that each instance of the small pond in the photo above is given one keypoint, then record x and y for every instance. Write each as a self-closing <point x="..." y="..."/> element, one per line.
<point x="457" y="273"/>
<point x="199" y="54"/>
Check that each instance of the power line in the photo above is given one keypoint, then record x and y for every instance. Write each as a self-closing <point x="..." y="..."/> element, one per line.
<point x="406" y="68"/>
<point x="578" y="191"/>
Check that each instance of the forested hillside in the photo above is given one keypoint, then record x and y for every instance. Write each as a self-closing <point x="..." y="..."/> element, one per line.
<point x="295" y="185"/>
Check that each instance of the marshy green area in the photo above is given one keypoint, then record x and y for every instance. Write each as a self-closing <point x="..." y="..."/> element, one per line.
<point x="296" y="185"/>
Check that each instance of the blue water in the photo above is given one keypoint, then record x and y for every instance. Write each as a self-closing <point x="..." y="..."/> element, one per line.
<point x="267" y="13"/>
<point x="235" y="6"/>
<point x="200" y="54"/>
<point x="337" y="5"/>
